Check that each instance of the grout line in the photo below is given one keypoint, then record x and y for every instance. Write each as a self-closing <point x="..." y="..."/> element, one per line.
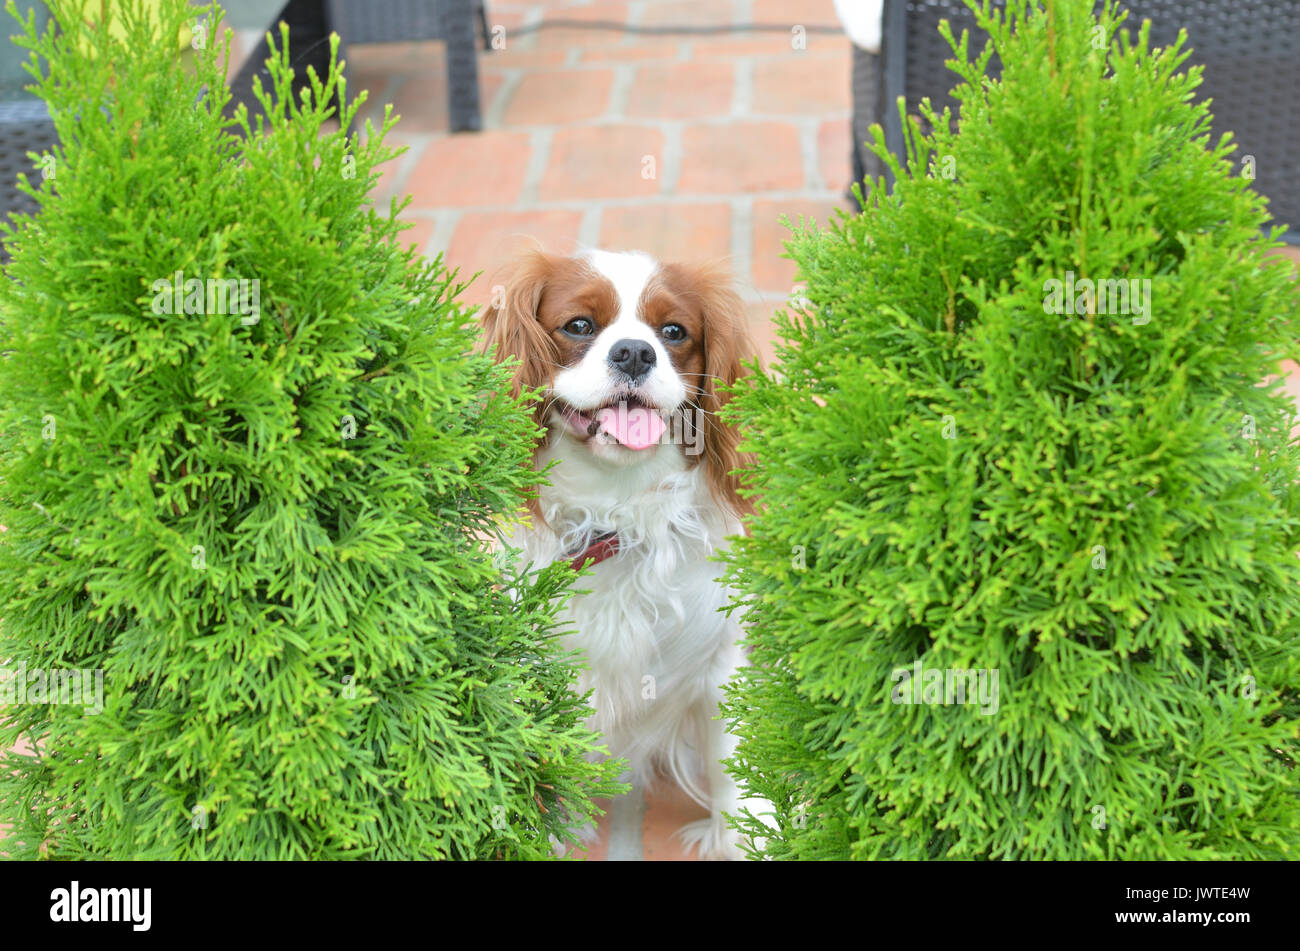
<point x="376" y="100"/>
<point x="539" y="156"/>
<point x="620" y="91"/>
<point x="589" y="230"/>
<point x="670" y="161"/>
<point x="405" y="163"/>
<point x="494" y="115"/>
<point x="635" y="15"/>
<point x="444" y="226"/>
<point x="532" y="17"/>
<point x="812" y="172"/>
<point x="742" y="252"/>
<point x="376" y="104"/>
<point x="742" y="100"/>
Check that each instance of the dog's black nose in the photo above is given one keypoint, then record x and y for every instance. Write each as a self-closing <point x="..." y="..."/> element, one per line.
<point x="633" y="357"/>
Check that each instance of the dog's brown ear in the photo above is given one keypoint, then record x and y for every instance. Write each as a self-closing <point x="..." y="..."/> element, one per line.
<point x="726" y="344"/>
<point x="511" y="330"/>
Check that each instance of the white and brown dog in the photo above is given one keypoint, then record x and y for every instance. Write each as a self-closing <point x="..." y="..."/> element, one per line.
<point x="630" y="354"/>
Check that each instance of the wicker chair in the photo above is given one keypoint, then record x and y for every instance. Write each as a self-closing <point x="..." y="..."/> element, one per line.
<point x="379" y="21"/>
<point x="1250" y="50"/>
<point x="25" y="125"/>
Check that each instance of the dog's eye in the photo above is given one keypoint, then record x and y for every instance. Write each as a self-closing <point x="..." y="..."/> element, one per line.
<point x="673" y="332"/>
<point x="579" y="327"/>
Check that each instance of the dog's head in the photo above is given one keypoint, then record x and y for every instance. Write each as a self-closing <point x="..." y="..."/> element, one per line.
<point x="630" y="354"/>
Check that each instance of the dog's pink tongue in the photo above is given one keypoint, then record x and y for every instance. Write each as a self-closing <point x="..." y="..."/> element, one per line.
<point x="635" y="427"/>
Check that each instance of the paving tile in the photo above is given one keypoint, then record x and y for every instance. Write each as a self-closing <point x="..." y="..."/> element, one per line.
<point x="557" y="97"/>
<point x="515" y="56"/>
<point x="771" y="271"/>
<point x="616" y="10"/>
<point x="669" y="231"/>
<point x="667" y="810"/>
<point x="834" y="148"/>
<point x="389" y="171"/>
<point x="418" y="234"/>
<point x="766" y="43"/>
<point x="762" y="328"/>
<point x="421" y="101"/>
<point x="646" y="44"/>
<point x="681" y="90"/>
<point x="608" y="161"/>
<point x="795" y="11"/>
<point x="417" y="54"/>
<point x="625" y="52"/>
<point x="21" y="747"/>
<point x="1291" y="252"/>
<point x="566" y="38"/>
<point x="803" y="84"/>
<point x="689" y="13"/>
<point x="487" y="241"/>
<point x="740" y="157"/>
<point x="471" y="169"/>
<point x="374" y="82"/>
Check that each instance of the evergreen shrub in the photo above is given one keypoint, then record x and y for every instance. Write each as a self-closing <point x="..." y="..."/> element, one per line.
<point x="258" y="510"/>
<point x="1022" y="584"/>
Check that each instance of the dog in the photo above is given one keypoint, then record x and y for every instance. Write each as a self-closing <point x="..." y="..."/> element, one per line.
<point x="631" y="354"/>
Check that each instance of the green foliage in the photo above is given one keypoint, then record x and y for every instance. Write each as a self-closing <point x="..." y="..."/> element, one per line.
<point x="307" y="650"/>
<point x="1101" y="509"/>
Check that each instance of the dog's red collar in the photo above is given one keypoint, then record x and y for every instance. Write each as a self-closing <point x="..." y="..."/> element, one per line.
<point x="601" y="547"/>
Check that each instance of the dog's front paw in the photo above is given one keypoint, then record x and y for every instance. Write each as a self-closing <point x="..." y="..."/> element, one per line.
<point x="712" y="840"/>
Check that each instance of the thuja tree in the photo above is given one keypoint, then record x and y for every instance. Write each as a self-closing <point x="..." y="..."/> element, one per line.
<point x="250" y="467"/>
<point x="1023" y="579"/>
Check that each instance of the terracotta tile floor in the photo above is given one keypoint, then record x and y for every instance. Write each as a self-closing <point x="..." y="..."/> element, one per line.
<point x="642" y="826"/>
<point x="686" y="146"/>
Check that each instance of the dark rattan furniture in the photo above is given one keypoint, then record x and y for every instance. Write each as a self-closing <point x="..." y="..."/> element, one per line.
<point x="396" y="21"/>
<point x="380" y="21"/>
<point x="1250" y="50"/>
<point x="25" y="124"/>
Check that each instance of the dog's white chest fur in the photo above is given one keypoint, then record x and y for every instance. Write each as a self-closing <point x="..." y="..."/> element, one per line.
<point x="649" y="624"/>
